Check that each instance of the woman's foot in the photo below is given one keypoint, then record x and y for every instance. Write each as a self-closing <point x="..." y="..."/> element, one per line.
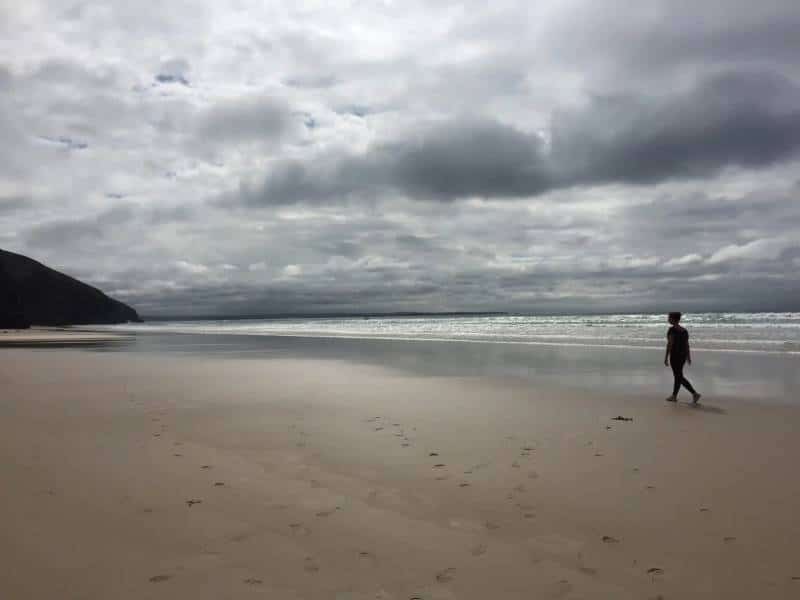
<point x="672" y="399"/>
<point x="696" y="398"/>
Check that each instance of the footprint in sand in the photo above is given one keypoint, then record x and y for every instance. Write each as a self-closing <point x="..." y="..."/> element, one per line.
<point x="598" y="454"/>
<point x="147" y="510"/>
<point x="253" y="581"/>
<point x="653" y="571"/>
<point x="515" y="464"/>
<point x="491" y="526"/>
<point x="463" y="484"/>
<point x="728" y="539"/>
<point x="405" y="444"/>
<point x="479" y="549"/>
<point x="299" y="529"/>
<point x="533" y="475"/>
<point x="705" y="509"/>
<point x="439" y="465"/>
<point x="159" y="578"/>
<point x="310" y="565"/>
<point x="327" y="513"/>
<point x="446" y="575"/>
<point x="205" y="466"/>
<point x="367" y="558"/>
<point x="610" y="540"/>
<point x="219" y="483"/>
<point x="520" y="488"/>
<point x="442" y="477"/>
<point x="240" y="537"/>
<point x="433" y="454"/>
<point x="178" y="455"/>
<point x="379" y="429"/>
<point x="192" y="502"/>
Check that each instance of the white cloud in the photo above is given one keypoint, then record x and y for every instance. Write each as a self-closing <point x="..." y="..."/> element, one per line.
<point x="193" y="268"/>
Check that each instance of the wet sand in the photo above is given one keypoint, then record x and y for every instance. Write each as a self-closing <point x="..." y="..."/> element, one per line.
<point x="54" y="336"/>
<point x="142" y="476"/>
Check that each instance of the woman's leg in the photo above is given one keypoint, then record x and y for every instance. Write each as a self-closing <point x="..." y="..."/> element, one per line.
<point x="686" y="383"/>
<point x="677" y="373"/>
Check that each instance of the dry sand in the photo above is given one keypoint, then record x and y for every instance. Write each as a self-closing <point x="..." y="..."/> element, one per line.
<point x="137" y="476"/>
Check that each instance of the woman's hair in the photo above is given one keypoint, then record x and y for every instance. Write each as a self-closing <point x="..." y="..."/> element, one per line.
<point x="675" y="316"/>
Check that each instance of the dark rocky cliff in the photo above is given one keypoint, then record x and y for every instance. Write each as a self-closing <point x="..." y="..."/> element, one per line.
<point x="33" y="294"/>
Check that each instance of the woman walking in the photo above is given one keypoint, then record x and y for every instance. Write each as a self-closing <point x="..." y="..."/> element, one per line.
<point x="678" y="353"/>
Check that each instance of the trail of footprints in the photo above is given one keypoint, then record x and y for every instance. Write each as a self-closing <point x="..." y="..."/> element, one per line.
<point x="527" y="510"/>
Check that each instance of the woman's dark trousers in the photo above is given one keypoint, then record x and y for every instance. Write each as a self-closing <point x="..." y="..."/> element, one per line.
<point x="677" y="370"/>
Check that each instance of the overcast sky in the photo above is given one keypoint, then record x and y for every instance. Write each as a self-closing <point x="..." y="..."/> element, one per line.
<point x="242" y="156"/>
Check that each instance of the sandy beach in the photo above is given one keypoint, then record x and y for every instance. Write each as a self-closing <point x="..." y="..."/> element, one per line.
<point x="135" y="476"/>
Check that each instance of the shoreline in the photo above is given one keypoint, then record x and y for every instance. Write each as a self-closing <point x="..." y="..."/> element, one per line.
<point x="340" y="480"/>
<point x="56" y="336"/>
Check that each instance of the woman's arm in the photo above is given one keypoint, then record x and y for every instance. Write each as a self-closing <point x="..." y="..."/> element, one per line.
<point x="669" y="347"/>
<point x="688" y="352"/>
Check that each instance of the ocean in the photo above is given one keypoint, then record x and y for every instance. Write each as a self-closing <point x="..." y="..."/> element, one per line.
<point x="718" y="332"/>
<point x="755" y="356"/>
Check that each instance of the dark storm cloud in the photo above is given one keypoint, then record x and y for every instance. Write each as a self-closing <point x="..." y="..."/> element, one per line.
<point x="656" y="38"/>
<point x="738" y="119"/>
<point x="745" y="119"/>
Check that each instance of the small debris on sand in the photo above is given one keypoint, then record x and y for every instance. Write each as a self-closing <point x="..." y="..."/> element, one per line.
<point x="192" y="502"/>
<point x="621" y="418"/>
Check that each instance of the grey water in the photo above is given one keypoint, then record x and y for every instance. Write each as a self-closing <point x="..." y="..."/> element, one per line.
<point x="736" y="355"/>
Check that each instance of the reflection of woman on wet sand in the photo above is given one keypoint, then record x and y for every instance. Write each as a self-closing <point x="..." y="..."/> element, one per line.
<point x="678" y="353"/>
